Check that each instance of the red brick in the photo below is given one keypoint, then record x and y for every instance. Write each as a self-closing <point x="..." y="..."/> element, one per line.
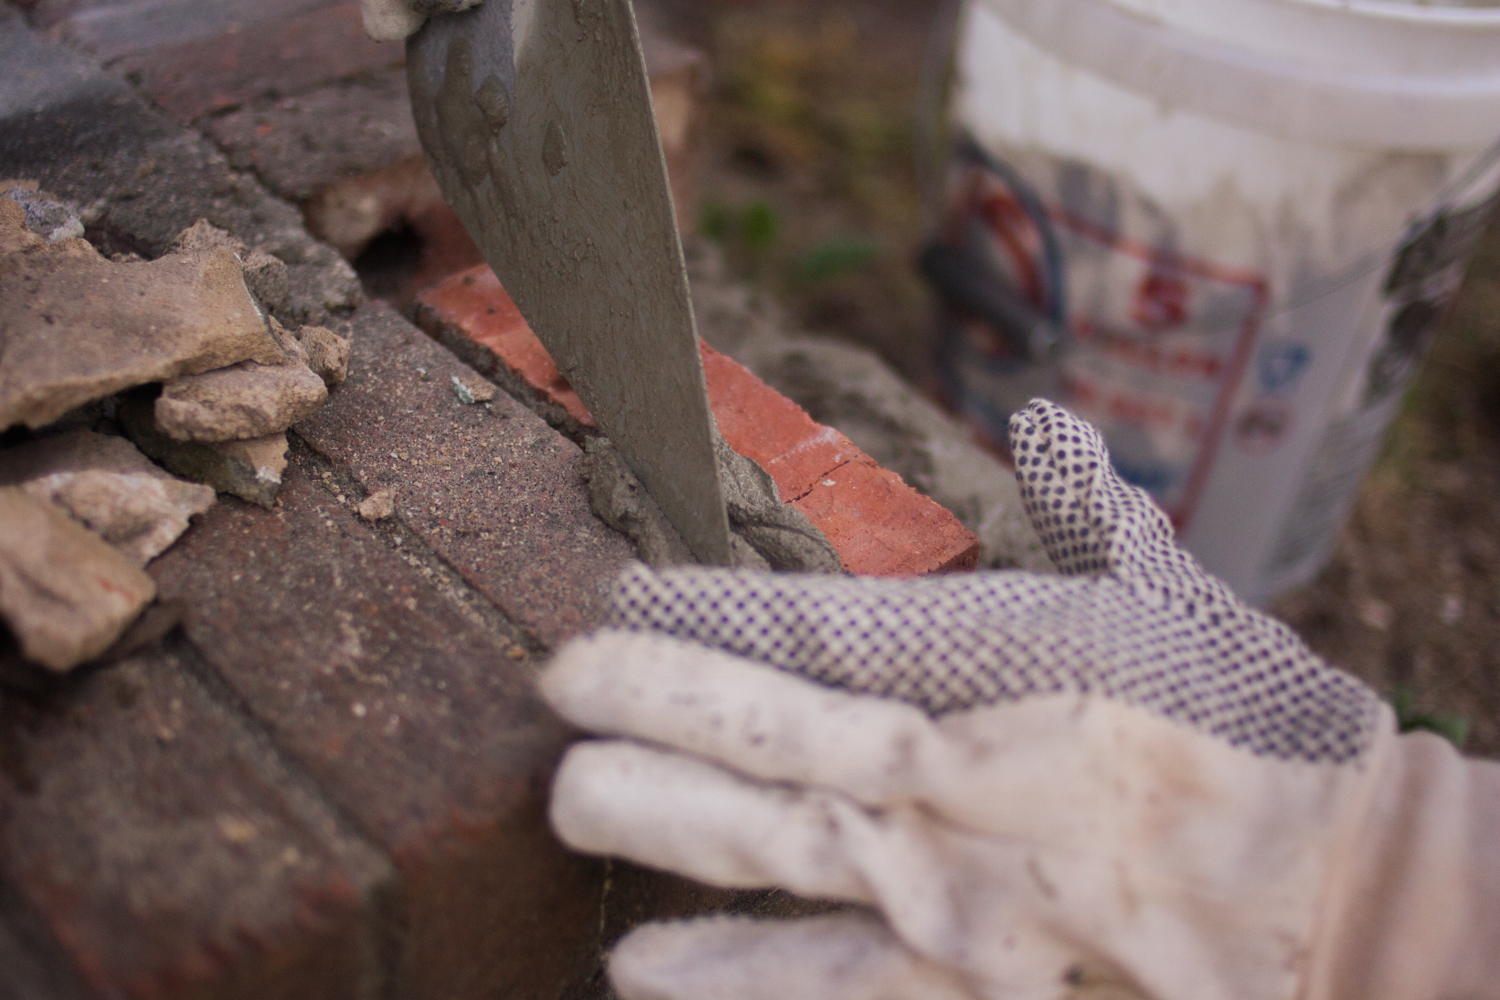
<point x="882" y="527"/>
<point x="878" y="524"/>
<point x="421" y="724"/>
<point x="305" y="613"/>
<point x="473" y="316"/>
<point x="284" y="56"/>
<point x="761" y="423"/>
<point x="162" y="846"/>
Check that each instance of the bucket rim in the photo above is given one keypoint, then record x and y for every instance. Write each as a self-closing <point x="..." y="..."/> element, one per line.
<point x="1487" y="18"/>
<point x="1381" y="108"/>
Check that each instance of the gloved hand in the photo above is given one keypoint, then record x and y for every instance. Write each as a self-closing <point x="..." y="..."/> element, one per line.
<point x="1118" y="781"/>
<point x="393" y="20"/>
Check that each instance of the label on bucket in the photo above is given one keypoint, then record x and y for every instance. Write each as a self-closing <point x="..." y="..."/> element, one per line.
<point x="1422" y="279"/>
<point x="1157" y="339"/>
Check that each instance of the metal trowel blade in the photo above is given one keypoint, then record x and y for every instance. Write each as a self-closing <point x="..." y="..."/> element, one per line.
<point x="537" y="121"/>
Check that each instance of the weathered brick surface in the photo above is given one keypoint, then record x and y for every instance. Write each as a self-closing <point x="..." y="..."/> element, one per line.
<point x="491" y="488"/>
<point x="419" y="724"/>
<point x="473" y="317"/>
<point x="878" y="525"/>
<point x="34" y="968"/>
<point x="141" y="179"/>
<point x="112" y="28"/>
<point x="348" y="154"/>
<point x="298" y="144"/>
<point x="278" y="55"/>
<point x="166" y="850"/>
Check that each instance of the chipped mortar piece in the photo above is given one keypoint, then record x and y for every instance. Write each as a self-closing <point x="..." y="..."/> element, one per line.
<point x="109" y="486"/>
<point x="77" y="327"/>
<point x="473" y="391"/>
<point x="767" y="533"/>
<point x="780" y="533"/>
<point x="48" y="216"/>
<point x="266" y="276"/>
<point x="326" y="352"/>
<point x="64" y="593"/>
<point x="15" y="238"/>
<point x="247" y="400"/>
<point x="377" y="506"/>
<point x="250" y="469"/>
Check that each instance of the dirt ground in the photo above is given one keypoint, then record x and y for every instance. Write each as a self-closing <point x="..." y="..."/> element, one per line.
<point x="810" y="183"/>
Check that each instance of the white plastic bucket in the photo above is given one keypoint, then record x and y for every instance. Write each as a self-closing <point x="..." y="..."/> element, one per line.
<point x="1240" y="218"/>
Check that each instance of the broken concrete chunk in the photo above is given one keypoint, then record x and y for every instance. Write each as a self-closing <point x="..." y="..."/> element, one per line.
<point x="77" y="327"/>
<point x="327" y="353"/>
<point x="47" y="216"/>
<point x="247" y="400"/>
<point x="266" y="276"/>
<point x="268" y="279"/>
<point x="109" y="486"/>
<point x="250" y="469"/>
<point x="377" y="506"/>
<point x="203" y="235"/>
<point x="64" y="593"/>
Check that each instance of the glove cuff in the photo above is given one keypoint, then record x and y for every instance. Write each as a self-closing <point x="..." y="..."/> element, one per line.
<point x="1413" y="907"/>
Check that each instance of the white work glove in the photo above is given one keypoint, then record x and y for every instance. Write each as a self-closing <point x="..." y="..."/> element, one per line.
<point x="393" y="20"/>
<point x="1120" y="781"/>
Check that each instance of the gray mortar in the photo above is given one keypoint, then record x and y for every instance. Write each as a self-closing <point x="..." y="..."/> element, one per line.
<point x="852" y="390"/>
<point x="767" y="533"/>
<point x="778" y="532"/>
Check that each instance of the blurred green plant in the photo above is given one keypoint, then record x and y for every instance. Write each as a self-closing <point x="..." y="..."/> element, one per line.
<point x="759" y="228"/>
<point x="748" y="233"/>
<point x="833" y="259"/>
<point x="1454" y="728"/>
<point x="715" y="220"/>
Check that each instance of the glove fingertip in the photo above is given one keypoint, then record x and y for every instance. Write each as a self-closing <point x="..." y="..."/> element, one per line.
<point x="568" y="673"/>
<point x="641" y="965"/>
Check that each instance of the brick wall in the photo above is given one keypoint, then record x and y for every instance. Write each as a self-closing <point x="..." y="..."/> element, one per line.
<point x="330" y="780"/>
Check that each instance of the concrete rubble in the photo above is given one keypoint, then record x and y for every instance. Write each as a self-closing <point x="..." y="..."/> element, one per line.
<point x="325" y="352"/>
<point x="247" y="400"/>
<point x="82" y="512"/>
<point x="377" y="506"/>
<point x="107" y="485"/>
<point x="250" y="468"/>
<point x="265" y="275"/>
<point x="65" y="594"/>
<point x="78" y="327"/>
<point x="46" y="216"/>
